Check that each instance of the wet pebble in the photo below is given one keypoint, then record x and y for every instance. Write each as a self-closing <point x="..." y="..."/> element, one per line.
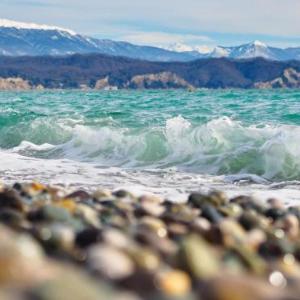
<point x="109" y="262"/>
<point x="113" y="245"/>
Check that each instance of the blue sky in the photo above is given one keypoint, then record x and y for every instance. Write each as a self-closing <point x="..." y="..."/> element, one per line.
<point x="163" y="22"/>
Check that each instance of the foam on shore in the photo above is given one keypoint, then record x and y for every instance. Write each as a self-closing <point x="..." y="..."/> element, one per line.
<point x="168" y="183"/>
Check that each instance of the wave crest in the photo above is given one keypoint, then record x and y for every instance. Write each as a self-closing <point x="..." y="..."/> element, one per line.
<point x="221" y="146"/>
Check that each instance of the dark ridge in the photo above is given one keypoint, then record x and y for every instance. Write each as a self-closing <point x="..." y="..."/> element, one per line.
<point x="80" y="70"/>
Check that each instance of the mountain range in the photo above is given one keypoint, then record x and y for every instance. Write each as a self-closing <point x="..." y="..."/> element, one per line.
<point x="256" y="49"/>
<point x="245" y="51"/>
<point x="28" y="39"/>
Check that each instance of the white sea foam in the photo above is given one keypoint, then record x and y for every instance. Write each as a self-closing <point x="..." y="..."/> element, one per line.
<point x="219" y="147"/>
<point x="168" y="183"/>
<point x="172" y="161"/>
<point x="28" y="146"/>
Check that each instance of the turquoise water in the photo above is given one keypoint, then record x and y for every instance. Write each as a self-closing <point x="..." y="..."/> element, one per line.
<point x="203" y="132"/>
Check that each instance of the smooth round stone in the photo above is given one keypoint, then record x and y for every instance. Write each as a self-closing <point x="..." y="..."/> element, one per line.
<point x="174" y="283"/>
<point x="88" y="215"/>
<point x="214" y="198"/>
<point x="17" y="186"/>
<point x="79" y="195"/>
<point x="201" y="224"/>
<point x="124" y="195"/>
<point x="231" y="210"/>
<point x="151" y="208"/>
<point x="116" y="221"/>
<point x="13" y="218"/>
<point x="145" y="259"/>
<point x="275" y="203"/>
<point x="88" y="237"/>
<point x="181" y="213"/>
<point x="275" y="248"/>
<point x="68" y="204"/>
<point x="109" y="262"/>
<point x="177" y="229"/>
<point x="210" y="213"/>
<point x="35" y="189"/>
<point x="57" y="237"/>
<point x="151" y="198"/>
<point x="118" y="239"/>
<point x="275" y="213"/>
<point x="295" y="210"/>
<point x="255" y="238"/>
<point x="218" y="198"/>
<point x="102" y="194"/>
<point x="153" y="224"/>
<point x="249" y="220"/>
<point x="290" y="224"/>
<point x="11" y="199"/>
<point x="199" y="258"/>
<point x="197" y="199"/>
<point x="249" y="203"/>
<point x="163" y="245"/>
<point x="50" y="213"/>
<point x="21" y="258"/>
<point x="232" y="232"/>
<point x="252" y="260"/>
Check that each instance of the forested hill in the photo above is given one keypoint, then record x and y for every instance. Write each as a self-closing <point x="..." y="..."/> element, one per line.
<point x="103" y="72"/>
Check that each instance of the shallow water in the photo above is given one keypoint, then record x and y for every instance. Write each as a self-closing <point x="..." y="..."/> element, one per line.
<point x="168" y="142"/>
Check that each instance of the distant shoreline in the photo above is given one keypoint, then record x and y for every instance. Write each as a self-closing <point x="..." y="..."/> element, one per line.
<point x="102" y="72"/>
<point x="134" y="90"/>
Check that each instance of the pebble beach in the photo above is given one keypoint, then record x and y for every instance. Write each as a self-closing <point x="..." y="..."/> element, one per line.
<point x="102" y="244"/>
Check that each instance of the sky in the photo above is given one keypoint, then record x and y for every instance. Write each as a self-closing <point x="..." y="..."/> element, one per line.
<point x="165" y="22"/>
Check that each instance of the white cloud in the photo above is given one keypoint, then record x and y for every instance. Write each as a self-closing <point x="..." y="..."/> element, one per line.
<point x="161" y="20"/>
<point x="163" y="38"/>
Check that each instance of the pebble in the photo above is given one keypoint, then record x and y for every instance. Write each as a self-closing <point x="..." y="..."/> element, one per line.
<point x="9" y="198"/>
<point x="112" y="245"/>
<point x="109" y="262"/>
<point x="174" y="283"/>
<point x="199" y="258"/>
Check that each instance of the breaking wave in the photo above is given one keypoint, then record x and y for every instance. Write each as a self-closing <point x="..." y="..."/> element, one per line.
<point x="219" y="147"/>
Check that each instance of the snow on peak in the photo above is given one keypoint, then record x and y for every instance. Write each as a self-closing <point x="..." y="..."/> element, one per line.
<point x="21" y="25"/>
<point x="203" y="49"/>
<point x="259" y="44"/>
<point x="220" y="52"/>
<point x="179" y="47"/>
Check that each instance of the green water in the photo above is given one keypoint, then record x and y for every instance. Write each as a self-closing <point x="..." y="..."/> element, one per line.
<point x="205" y="132"/>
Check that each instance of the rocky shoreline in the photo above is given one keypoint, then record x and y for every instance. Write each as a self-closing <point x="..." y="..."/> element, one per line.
<point x="112" y="245"/>
<point x="108" y="72"/>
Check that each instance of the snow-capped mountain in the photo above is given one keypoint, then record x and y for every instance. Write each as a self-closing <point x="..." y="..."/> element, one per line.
<point x="255" y="49"/>
<point x="251" y="50"/>
<point x="259" y="49"/>
<point x="18" y="39"/>
<point x="21" y="25"/>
